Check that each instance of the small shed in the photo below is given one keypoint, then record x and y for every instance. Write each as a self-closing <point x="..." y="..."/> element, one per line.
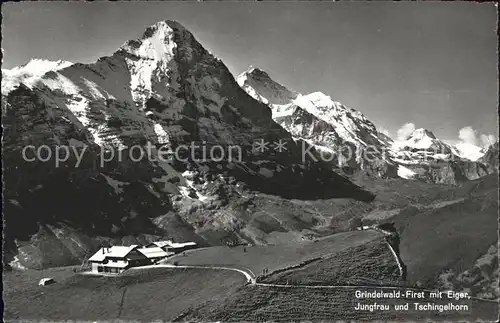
<point x="160" y="244"/>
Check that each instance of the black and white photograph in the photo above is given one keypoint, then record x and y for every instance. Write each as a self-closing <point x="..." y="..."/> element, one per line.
<point x="250" y="161"/>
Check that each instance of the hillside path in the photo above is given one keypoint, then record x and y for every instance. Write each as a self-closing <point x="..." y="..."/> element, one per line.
<point x="251" y="279"/>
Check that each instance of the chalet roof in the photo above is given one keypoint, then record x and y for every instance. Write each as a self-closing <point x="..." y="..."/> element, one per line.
<point x="170" y="244"/>
<point x="161" y="244"/>
<point x="112" y="252"/>
<point x="181" y="245"/>
<point x="154" y="252"/>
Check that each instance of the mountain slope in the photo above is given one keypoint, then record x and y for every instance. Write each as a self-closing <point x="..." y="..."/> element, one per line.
<point x="340" y="135"/>
<point x="260" y="86"/>
<point x="490" y="157"/>
<point x="469" y="151"/>
<point x="430" y="159"/>
<point x="29" y="73"/>
<point x="163" y="90"/>
<point x="349" y="142"/>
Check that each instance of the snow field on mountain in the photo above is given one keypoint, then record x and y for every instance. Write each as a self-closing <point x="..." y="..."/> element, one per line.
<point x="405" y="172"/>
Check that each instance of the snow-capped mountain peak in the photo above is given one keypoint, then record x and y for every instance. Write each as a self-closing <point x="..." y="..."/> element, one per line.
<point x="351" y="125"/>
<point x="258" y="84"/>
<point x="328" y="125"/>
<point x="29" y="73"/>
<point x="468" y="151"/>
<point x="164" y="87"/>
<point x="150" y="58"/>
<point x="421" y="139"/>
<point x="257" y="72"/>
<point x="254" y="72"/>
<point x="154" y="43"/>
<point x="319" y="120"/>
<point x="318" y="102"/>
<point x="421" y="134"/>
<point x="38" y="65"/>
<point x="344" y="124"/>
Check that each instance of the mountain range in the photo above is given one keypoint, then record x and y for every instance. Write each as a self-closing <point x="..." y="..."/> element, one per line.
<point x="166" y="89"/>
<point x="342" y="132"/>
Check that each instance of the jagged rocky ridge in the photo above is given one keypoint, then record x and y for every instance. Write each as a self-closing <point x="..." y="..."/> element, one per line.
<point x="352" y="143"/>
<point x="163" y="89"/>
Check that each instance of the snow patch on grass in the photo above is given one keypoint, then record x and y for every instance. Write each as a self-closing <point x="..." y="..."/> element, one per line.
<point x="405" y="172"/>
<point x="16" y="263"/>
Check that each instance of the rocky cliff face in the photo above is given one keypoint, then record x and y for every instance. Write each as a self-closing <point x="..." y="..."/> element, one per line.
<point x="107" y="178"/>
<point x="433" y="160"/>
<point x="159" y="141"/>
<point x="490" y="158"/>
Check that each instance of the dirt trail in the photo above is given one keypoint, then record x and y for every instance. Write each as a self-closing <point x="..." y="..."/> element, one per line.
<point x="120" y="307"/>
<point x="251" y="279"/>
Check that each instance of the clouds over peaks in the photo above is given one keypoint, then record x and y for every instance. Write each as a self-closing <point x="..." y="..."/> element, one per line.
<point x="405" y="131"/>
<point x="471" y="136"/>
